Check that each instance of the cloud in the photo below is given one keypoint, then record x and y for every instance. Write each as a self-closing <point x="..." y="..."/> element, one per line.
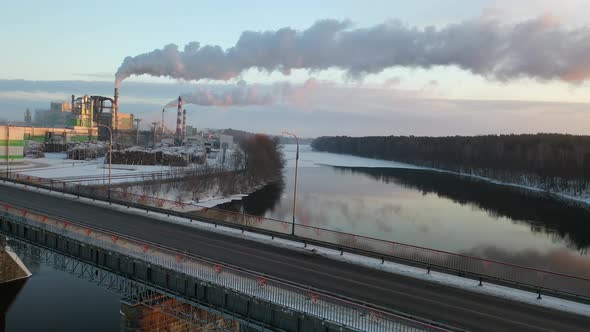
<point x="539" y="48"/>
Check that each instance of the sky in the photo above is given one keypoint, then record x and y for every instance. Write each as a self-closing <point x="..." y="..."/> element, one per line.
<point x="63" y="42"/>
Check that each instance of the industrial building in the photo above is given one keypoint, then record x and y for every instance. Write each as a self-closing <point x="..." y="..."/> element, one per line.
<point x="11" y="144"/>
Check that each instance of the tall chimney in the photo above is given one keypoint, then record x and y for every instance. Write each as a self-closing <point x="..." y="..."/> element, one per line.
<point x="115" y="110"/>
<point x="183" y="123"/>
<point x="162" y="124"/>
<point x="179" y="122"/>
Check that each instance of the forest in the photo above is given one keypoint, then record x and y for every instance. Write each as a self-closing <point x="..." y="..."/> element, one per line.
<point x="553" y="162"/>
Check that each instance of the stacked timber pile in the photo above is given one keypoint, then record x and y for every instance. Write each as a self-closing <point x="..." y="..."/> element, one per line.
<point x="148" y="157"/>
<point x="56" y="147"/>
<point x="34" y="149"/>
<point x="87" y="150"/>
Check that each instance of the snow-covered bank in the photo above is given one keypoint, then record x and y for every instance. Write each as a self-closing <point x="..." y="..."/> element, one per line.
<point x="312" y="158"/>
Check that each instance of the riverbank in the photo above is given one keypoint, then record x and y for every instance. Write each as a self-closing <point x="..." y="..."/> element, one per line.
<point x="347" y="160"/>
<point x="11" y="267"/>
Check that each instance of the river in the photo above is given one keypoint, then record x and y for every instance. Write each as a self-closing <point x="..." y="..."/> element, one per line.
<point x="403" y="203"/>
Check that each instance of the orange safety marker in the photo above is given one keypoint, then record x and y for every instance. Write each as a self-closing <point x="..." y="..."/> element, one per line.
<point x="315" y="298"/>
<point x="375" y="316"/>
<point x="262" y="282"/>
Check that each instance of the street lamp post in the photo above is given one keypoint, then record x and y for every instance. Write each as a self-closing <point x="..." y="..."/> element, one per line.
<point x="7" y="150"/>
<point x="295" y="186"/>
<point x="110" y="154"/>
<point x="137" y="124"/>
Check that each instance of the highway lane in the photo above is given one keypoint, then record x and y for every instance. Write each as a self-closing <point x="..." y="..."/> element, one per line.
<point x="456" y="307"/>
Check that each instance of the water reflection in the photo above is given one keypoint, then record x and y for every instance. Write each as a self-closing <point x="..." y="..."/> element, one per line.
<point x="559" y="260"/>
<point x="59" y="301"/>
<point x="543" y="212"/>
<point x="432" y="209"/>
<point x="259" y="202"/>
<point x="8" y="292"/>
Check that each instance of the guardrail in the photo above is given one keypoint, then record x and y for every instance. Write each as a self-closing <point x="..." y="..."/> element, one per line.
<point x="297" y="297"/>
<point x="538" y="280"/>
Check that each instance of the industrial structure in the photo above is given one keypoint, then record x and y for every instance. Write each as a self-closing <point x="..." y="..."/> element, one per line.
<point x="89" y="111"/>
<point x="76" y="120"/>
<point x="178" y="137"/>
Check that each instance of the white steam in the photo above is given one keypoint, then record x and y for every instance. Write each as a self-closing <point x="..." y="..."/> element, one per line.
<point x="242" y="94"/>
<point x="538" y="48"/>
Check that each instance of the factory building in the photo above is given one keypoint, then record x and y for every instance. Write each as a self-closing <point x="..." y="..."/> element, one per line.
<point x="79" y="116"/>
<point x="59" y="114"/>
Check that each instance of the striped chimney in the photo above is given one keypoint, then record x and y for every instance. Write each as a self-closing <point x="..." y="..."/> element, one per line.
<point x="179" y="121"/>
<point x="183" y="123"/>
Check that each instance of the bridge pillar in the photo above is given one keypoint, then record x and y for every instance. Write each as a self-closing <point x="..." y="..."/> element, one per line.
<point x="140" y="318"/>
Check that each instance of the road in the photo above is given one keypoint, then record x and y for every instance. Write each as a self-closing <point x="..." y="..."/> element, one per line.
<point x="452" y="306"/>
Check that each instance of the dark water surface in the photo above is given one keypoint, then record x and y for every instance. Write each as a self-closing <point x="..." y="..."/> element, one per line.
<point x="432" y="209"/>
<point x="53" y="300"/>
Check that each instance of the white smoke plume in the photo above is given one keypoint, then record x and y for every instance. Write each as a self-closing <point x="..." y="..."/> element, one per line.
<point x="238" y="95"/>
<point x="539" y="48"/>
<point x="248" y="95"/>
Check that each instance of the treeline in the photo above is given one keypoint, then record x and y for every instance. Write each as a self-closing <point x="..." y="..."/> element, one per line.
<point x="263" y="158"/>
<point x="552" y="162"/>
<point x="259" y="155"/>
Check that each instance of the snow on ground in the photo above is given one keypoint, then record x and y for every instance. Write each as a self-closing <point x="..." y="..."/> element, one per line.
<point x="56" y="166"/>
<point x="391" y="267"/>
<point x="95" y="172"/>
<point x="18" y="262"/>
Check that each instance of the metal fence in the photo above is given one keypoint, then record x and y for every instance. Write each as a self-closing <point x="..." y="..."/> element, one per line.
<point x="532" y="278"/>
<point x="292" y="296"/>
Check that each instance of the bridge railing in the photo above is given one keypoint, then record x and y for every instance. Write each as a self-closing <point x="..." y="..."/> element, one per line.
<point x="531" y="278"/>
<point x="538" y="279"/>
<point x="297" y="297"/>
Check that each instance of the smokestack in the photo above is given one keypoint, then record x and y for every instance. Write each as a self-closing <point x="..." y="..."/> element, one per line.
<point x="183" y="123"/>
<point x="115" y="109"/>
<point x="162" y="124"/>
<point x="179" y="122"/>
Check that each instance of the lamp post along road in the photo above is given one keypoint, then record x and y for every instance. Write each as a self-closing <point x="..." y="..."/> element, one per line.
<point x="137" y="121"/>
<point x="295" y="185"/>
<point x="110" y="154"/>
<point x="7" y="149"/>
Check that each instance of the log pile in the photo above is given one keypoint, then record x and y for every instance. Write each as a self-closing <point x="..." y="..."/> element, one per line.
<point x="87" y="150"/>
<point x="34" y="150"/>
<point x="148" y="157"/>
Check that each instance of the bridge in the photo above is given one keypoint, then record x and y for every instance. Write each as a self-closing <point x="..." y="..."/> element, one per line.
<point x="268" y="287"/>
